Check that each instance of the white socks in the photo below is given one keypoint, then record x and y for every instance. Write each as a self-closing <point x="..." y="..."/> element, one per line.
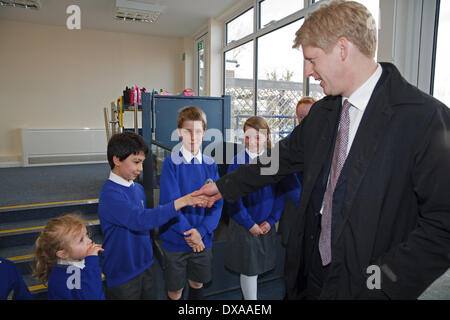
<point x="249" y="286"/>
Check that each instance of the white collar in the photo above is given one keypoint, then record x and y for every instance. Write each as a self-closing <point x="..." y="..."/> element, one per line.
<point x="78" y="264"/>
<point x="119" y="180"/>
<point x="360" y="98"/>
<point x="187" y="155"/>
<point x="253" y="155"/>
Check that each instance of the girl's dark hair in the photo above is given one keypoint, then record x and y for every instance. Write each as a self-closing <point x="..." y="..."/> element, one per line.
<point x="123" y="144"/>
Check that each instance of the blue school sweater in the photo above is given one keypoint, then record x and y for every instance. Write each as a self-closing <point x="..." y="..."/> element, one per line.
<point x="179" y="178"/>
<point x="11" y="280"/>
<point x="291" y="187"/>
<point x="67" y="282"/>
<point x="266" y="204"/>
<point x="126" y="226"/>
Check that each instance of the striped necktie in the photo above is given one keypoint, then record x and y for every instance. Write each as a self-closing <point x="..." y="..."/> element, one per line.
<point x="339" y="157"/>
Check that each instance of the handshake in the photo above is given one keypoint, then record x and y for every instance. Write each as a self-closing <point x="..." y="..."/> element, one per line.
<point x="204" y="197"/>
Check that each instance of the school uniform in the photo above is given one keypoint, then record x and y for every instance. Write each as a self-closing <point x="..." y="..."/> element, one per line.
<point x="80" y="280"/>
<point x="247" y="254"/>
<point x="182" y="174"/>
<point x="125" y="224"/>
<point x="11" y="282"/>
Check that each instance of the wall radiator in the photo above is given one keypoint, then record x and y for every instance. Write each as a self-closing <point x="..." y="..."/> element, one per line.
<point x="63" y="146"/>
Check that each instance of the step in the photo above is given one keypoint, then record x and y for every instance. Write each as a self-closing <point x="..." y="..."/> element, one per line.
<point x="21" y="213"/>
<point x="11" y="238"/>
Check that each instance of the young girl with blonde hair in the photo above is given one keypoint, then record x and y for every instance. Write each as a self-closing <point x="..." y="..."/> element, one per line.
<point x="67" y="260"/>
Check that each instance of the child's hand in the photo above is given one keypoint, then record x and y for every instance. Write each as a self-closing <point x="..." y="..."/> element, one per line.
<point x="198" y="248"/>
<point x="265" y="227"/>
<point x="190" y="200"/>
<point x="256" y="230"/>
<point x="193" y="237"/>
<point x="94" y="249"/>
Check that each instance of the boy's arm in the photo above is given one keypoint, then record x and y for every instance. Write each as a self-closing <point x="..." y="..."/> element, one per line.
<point x="169" y="191"/>
<point x="212" y="215"/>
<point x="115" y="208"/>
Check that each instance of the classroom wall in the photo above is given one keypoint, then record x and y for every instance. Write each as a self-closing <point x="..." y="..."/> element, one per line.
<point x="52" y="77"/>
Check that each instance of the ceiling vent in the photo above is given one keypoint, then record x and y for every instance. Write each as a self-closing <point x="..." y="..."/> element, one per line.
<point x="27" y="4"/>
<point x="128" y="10"/>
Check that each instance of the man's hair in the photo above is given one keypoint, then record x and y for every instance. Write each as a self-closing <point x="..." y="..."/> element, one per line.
<point x="192" y="113"/>
<point x="123" y="144"/>
<point x="339" y="18"/>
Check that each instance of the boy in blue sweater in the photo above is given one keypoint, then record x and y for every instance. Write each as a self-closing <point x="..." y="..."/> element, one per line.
<point x="125" y="221"/>
<point x="187" y="241"/>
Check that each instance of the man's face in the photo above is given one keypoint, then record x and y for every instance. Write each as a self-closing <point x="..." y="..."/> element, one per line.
<point x="324" y="67"/>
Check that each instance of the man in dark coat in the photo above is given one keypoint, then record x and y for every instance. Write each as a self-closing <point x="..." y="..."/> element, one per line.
<point x="374" y="214"/>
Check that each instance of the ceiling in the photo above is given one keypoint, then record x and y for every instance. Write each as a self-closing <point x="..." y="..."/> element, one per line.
<point x="179" y="19"/>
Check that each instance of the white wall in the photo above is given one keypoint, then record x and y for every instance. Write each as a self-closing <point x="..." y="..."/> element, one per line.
<point x="55" y="78"/>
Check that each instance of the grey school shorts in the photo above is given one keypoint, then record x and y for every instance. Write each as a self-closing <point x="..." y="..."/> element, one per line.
<point x="182" y="266"/>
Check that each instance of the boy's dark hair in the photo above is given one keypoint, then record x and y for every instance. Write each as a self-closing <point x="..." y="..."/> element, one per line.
<point x="123" y="144"/>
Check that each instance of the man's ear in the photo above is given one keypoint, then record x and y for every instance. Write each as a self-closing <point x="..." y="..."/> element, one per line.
<point x="344" y="46"/>
<point x="62" y="254"/>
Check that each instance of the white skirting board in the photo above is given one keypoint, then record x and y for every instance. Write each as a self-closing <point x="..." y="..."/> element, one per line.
<point x="63" y="146"/>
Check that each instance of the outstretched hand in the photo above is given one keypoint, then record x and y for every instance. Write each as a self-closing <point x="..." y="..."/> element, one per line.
<point x="211" y="194"/>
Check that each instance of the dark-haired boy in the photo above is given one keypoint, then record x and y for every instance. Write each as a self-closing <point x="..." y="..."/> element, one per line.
<point x="125" y="221"/>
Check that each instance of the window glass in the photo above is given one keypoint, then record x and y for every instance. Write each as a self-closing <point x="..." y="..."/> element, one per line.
<point x="239" y="83"/>
<point x="280" y="79"/>
<point x="202" y="72"/>
<point x="271" y="10"/>
<point x="240" y="27"/>
<point x="441" y="89"/>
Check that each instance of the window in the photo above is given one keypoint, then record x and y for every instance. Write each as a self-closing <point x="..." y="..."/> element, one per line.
<point x="271" y="11"/>
<point x="441" y="89"/>
<point x="263" y="74"/>
<point x="240" y="27"/>
<point x="280" y="80"/>
<point x="202" y="71"/>
<point x="239" y="83"/>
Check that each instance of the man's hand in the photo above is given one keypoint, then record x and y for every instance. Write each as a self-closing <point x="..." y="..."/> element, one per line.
<point x="210" y="192"/>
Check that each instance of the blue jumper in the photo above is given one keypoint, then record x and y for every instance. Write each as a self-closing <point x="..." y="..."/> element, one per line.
<point x="266" y="204"/>
<point x="11" y="280"/>
<point x="68" y="282"/>
<point x="126" y="225"/>
<point x="179" y="178"/>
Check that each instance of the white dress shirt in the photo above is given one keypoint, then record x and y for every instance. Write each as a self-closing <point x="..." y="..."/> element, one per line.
<point x="187" y="155"/>
<point x="359" y="100"/>
<point x="119" y="180"/>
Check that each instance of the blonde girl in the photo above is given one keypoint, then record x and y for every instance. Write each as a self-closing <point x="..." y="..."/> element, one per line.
<point x="67" y="260"/>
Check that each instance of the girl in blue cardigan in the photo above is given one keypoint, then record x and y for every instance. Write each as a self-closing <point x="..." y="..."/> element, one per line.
<point x="251" y="249"/>
<point x="67" y="260"/>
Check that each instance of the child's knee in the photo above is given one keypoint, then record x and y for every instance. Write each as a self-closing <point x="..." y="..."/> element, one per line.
<point x="175" y="295"/>
<point x="195" y="284"/>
